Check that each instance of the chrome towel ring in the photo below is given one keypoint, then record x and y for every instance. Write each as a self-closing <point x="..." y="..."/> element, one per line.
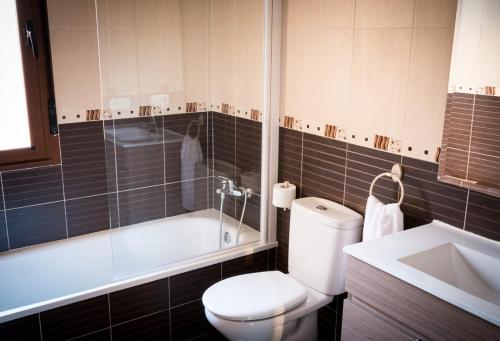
<point x="396" y="174"/>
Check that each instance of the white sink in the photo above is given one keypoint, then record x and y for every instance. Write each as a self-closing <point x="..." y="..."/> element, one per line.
<point x="461" y="267"/>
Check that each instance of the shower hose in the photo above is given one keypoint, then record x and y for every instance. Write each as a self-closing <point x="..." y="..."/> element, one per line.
<point x="222" y="197"/>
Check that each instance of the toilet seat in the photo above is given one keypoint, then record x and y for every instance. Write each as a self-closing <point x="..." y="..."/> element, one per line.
<point x="254" y="296"/>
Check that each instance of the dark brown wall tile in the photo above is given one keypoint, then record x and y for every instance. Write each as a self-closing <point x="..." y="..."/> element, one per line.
<point x="32" y="186"/>
<point x="290" y="157"/>
<point x="190" y="286"/>
<point x="36" y="224"/>
<point x="255" y="262"/>
<point x="224" y="137"/>
<point x="426" y="198"/>
<point x="140" y="205"/>
<point x="187" y="196"/>
<point x="483" y="215"/>
<point x="151" y="327"/>
<point x="140" y="162"/>
<point x="102" y="335"/>
<point x="176" y="127"/>
<point x="83" y="159"/>
<point x="189" y="322"/>
<point x="323" y="168"/>
<point x="326" y="324"/>
<point x="75" y="319"/>
<point x="23" y="329"/>
<point x="4" y="244"/>
<point x="87" y="215"/>
<point x="283" y="232"/>
<point x="248" y="152"/>
<point x="363" y="165"/>
<point x="272" y="258"/>
<point x="252" y="211"/>
<point x="139" y="301"/>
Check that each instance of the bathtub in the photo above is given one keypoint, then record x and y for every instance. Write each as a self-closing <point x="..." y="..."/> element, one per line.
<point x="53" y="274"/>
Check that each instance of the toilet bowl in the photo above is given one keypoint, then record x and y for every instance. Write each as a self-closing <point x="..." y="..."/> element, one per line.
<point x="271" y="305"/>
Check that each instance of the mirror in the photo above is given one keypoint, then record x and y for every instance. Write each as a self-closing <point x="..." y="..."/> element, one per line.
<point x="470" y="155"/>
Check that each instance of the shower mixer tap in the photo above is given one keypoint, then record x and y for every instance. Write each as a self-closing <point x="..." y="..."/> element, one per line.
<point x="230" y="187"/>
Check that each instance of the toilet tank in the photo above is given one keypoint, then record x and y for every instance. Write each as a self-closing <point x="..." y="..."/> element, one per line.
<point x="319" y="229"/>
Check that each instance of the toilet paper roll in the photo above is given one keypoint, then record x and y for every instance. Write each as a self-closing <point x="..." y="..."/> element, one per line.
<point x="283" y="194"/>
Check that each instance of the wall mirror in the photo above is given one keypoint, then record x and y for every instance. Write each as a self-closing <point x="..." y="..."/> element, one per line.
<point x="470" y="155"/>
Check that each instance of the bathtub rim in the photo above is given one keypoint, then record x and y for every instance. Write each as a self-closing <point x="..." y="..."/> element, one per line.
<point x="141" y="277"/>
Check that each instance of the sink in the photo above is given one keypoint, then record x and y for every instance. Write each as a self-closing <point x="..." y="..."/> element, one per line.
<point x="461" y="267"/>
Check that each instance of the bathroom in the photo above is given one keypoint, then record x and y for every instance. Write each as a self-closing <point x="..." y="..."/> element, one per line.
<point x="250" y="170"/>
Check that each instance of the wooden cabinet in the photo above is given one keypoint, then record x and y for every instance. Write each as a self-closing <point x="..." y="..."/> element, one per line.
<point x="382" y="307"/>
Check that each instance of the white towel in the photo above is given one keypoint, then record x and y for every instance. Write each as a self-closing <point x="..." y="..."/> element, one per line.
<point x="381" y="219"/>
<point x="190" y="154"/>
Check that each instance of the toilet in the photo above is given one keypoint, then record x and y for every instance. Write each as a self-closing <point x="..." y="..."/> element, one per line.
<point x="271" y="305"/>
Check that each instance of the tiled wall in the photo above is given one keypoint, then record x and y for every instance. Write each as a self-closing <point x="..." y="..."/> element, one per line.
<point x="102" y="184"/>
<point x="166" y="309"/>
<point x="368" y="68"/>
<point x="343" y="172"/>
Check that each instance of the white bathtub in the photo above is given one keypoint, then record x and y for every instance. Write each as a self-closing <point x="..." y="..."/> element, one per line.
<point x="49" y="275"/>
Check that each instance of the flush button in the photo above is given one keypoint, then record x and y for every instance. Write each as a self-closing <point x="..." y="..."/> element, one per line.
<point x="321" y="208"/>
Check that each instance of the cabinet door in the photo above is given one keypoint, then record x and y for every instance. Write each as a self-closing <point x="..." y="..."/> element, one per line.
<point x="359" y="323"/>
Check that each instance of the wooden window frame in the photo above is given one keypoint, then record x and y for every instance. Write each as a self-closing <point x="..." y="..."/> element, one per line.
<point x="39" y="88"/>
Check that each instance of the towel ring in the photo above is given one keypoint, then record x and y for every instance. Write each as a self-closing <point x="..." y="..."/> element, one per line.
<point x="189" y="127"/>
<point x="395" y="174"/>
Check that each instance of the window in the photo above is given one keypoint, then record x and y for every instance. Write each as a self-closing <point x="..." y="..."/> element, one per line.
<point x="28" y="126"/>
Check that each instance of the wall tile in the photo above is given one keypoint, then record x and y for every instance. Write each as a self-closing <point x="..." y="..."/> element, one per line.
<point x="483" y="215"/>
<point x="4" y="245"/>
<point x="283" y="235"/>
<point x="363" y="165"/>
<point x="176" y="127"/>
<point x="186" y="196"/>
<point x="255" y="262"/>
<point x="50" y="224"/>
<point x="140" y="205"/>
<point x="435" y="13"/>
<point x="327" y="14"/>
<point x="139" y="162"/>
<point x="384" y="13"/>
<point x="376" y="73"/>
<point x="248" y="152"/>
<point x="323" y="170"/>
<point x="75" y="319"/>
<point x="252" y="211"/>
<point x="189" y="322"/>
<point x="150" y="327"/>
<point x="224" y="130"/>
<point x="84" y="159"/>
<point x="102" y="335"/>
<point x="25" y="329"/>
<point x="190" y="286"/>
<point x="139" y="301"/>
<point x="427" y="199"/>
<point x="32" y="186"/>
<point x="290" y="157"/>
<point x="326" y="324"/>
<point x="88" y="215"/>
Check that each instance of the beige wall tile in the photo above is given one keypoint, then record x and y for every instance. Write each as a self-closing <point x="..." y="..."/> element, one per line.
<point x="133" y="13"/>
<point x="248" y="74"/>
<point x="435" y="13"/>
<point x="75" y="68"/>
<point x="250" y="15"/>
<point x="194" y="14"/>
<point x="123" y="62"/>
<point x="222" y="14"/>
<point x="491" y="10"/>
<point x="427" y="88"/>
<point x="222" y="66"/>
<point x="326" y="89"/>
<point x="71" y="13"/>
<point x="171" y="60"/>
<point x="489" y="55"/>
<point x="148" y="61"/>
<point x="324" y="14"/>
<point x="294" y="14"/>
<point x="380" y="79"/>
<point x="196" y="65"/>
<point x="384" y="13"/>
<point x="170" y="14"/>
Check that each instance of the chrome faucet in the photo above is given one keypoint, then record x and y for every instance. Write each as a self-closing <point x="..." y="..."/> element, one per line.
<point x="230" y="187"/>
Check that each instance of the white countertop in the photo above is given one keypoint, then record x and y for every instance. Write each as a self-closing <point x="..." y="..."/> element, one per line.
<point x="384" y="253"/>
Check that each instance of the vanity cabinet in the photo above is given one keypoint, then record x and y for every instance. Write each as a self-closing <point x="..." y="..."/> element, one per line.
<point x="383" y="307"/>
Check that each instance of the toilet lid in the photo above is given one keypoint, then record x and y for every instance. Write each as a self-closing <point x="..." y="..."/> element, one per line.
<point x="254" y="296"/>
